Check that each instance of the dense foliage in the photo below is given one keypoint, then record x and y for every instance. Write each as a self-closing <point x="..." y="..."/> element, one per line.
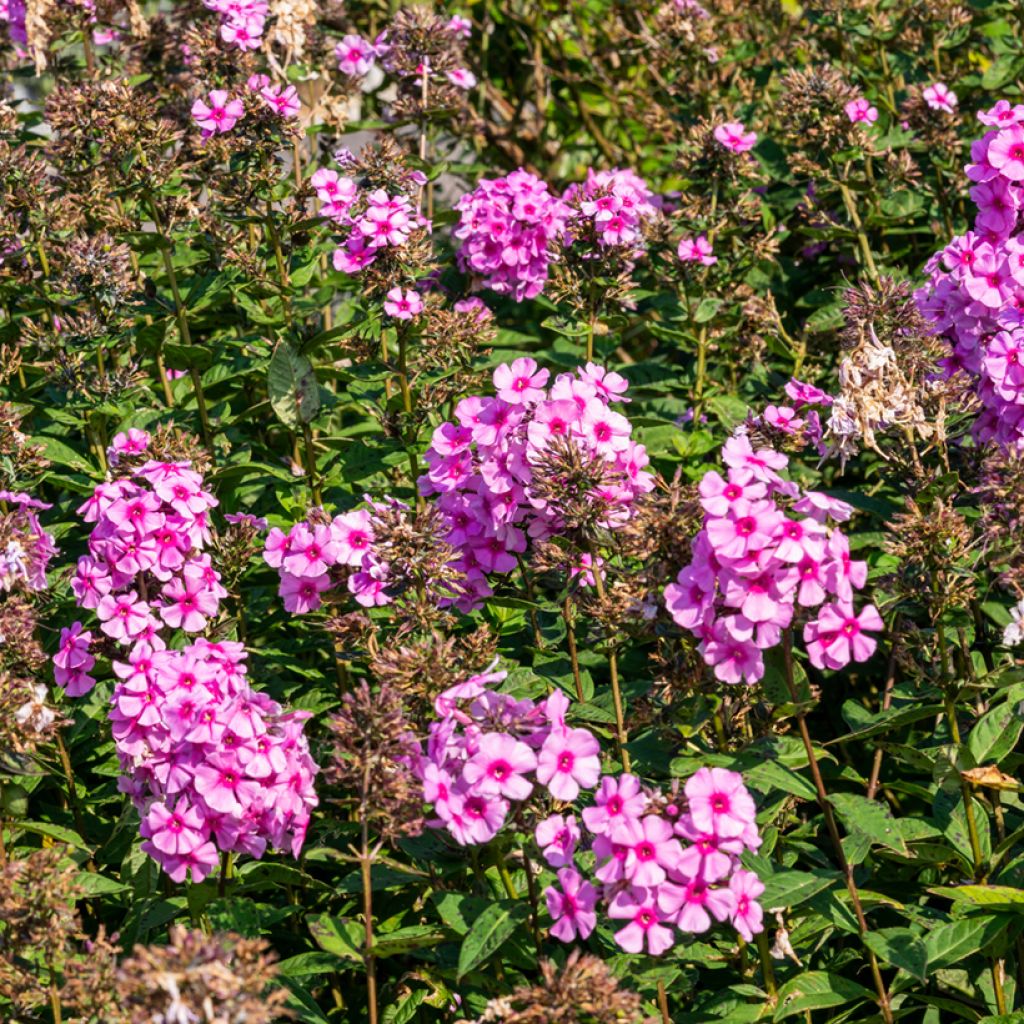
<point x="511" y="512"/>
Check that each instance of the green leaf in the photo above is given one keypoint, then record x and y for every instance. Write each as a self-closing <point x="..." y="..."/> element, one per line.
<point x="294" y="393"/>
<point x="93" y="884"/>
<point x="342" y="938"/>
<point x="1003" y="897"/>
<point x="900" y="947"/>
<point x="187" y="357"/>
<point x="58" y="832"/>
<point x="305" y="965"/>
<point x="817" y="990"/>
<point x="871" y="819"/>
<point x="707" y="309"/>
<point x="950" y="942"/>
<point x="417" y="936"/>
<point x="995" y="734"/>
<point x="489" y="932"/>
<point x="786" y="889"/>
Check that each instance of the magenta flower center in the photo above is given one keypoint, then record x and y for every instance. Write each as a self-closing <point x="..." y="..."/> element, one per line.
<point x="565" y="761"/>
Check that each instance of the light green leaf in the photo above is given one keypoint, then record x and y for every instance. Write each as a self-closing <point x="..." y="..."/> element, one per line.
<point x="871" y="819"/>
<point x="951" y="942"/>
<point x="291" y="382"/>
<point x="900" y="947"/>
<point x="817" y="990"/>
<point x="489" y="932"/>
<point x="342" y="938"/>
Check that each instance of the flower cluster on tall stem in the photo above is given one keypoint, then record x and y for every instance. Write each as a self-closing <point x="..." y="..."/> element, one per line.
<point x="210" y="763"/>
<point x="767" y="550"/>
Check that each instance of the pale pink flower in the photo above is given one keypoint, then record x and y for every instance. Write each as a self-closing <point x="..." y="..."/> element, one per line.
<point x="940" y="97"/>
<point x="696" y="250"/>
<point x="557" y="837"/>
<point x="498" y="766"/>
<point x="861" y="111"/>
<point x="646" y="922"/>
<point x="569" y="760"/>
<point x="572" y="907"/>
<point x="735" y="137"/>
<point x="719" y="802"/>
<point x="403" y="305"/>
<point x="219" y="114"/>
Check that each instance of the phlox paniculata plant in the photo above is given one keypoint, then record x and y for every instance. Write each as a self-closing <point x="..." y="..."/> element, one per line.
<point x="531" y="462"/>
<point x="212" y="765"/>
<point x="661" y="862"/>
<point x="769" y="551"/>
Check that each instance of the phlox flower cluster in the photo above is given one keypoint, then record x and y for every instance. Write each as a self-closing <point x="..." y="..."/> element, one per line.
<point x="975" y="290"/>
<point x="661" y="865"/>
<point x="508" y="229"/>
<point x="241" y="21"/>
<point x="210" y="763"/>
<point x="370" y="220"/>
<point x="609" y="209"/>
<point x="487" y="752"/>
<point x="25" y="547"/>
<point x="321" y="554"/>
<point x="765" y="553"/>
<point x="283" y="100"/>
<point x="484" y="466"/>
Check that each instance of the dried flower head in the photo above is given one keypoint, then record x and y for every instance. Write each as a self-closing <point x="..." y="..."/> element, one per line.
<point x="218" y="979"/>
<point x="584" y="990"/>
<point x="372" y="767"/>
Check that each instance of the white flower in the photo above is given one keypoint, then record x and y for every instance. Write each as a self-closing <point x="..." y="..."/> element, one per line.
<point x="1013" y="634"/>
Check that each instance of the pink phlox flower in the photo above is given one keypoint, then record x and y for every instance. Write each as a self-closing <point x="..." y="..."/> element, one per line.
<point x="652" y="848"/>
<point x="618" y="799"/>
<point x="939" y="96"/>
<point x="647" y="923"/>
<point x="837" y="636"/>
<point x="1002" y="114"/>
<point x="311" y="552"/>
<point x="355" y="55"/>
<point x="738" y="453"/>
<point x="569" y="760"/>
<point x="708" y="856"/>
<point x="572" y="906"/>
<point x="282" y="99"/>
<point x="557" y="837"/>
<point x="747" y="915"/>
<point x="860" y="111"/>
<point x="692" y="904"/>
<point x="220" y="113"/>
<point x="718" y="496"/>
<point x="801" y="394"/>
<point x="696" y="250"/>
<point x="403" y="305"/>
<point x="302" y="594"/>
<point x="718" y="802"/>
<point x="499" y="765"/>
<point x="521" y="382"/>
<point x="734" y="136"/>
<point x="611" y="386"/>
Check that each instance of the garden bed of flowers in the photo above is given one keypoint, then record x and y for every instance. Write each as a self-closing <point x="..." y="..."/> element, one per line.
<point x="511" y="511"/>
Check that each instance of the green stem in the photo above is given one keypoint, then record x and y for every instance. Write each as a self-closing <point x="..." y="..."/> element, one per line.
<point x="767" y="967"/>
<point x="833" y="828"/>
<point x="314" y="480"/>
<point x="621" y="736"/>
<point x="570" y="635"/>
